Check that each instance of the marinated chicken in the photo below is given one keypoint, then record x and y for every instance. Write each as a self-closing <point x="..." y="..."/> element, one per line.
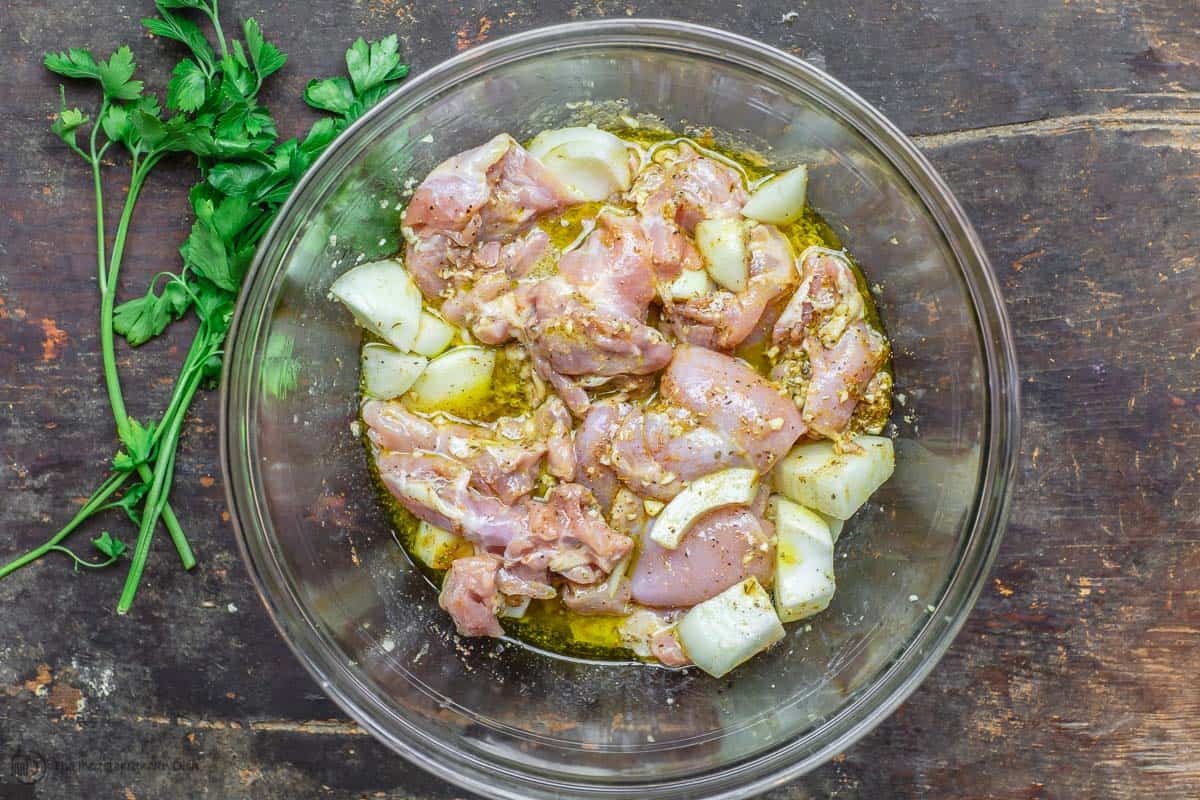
<point x="643" y="427"/>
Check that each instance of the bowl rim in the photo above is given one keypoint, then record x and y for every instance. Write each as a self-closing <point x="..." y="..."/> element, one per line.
<point x="907" y="669"/>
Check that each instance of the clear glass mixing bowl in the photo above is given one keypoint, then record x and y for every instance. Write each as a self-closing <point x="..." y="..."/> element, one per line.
<point x="495" y="717"/>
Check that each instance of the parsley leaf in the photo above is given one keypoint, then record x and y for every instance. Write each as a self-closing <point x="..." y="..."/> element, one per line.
<point x="238" y="83"/>
<point x="139" y="446"/>
<point x="173" y="26"/>
<point x="371" y="65"/>
<point x="116" y="76"/>
<point x="204" y="254"/>
<point x="266" y="57"/>
<point x="243" y="119"/>
<point x="68" y="120"/>
<point x="335" y="95"/>
<point x="116" y="125"/>
<point x="74" y="63"/>
<point x="188" y="86"/>
<point x="109" y="545"/>
<point x="175" y="134"/>
<point x="319" y="136"/>
<point x="231" y="216"/>
<point x="141" y="319"/>
<point x="365" y="100"/>
<point x="130" y="501"/>
<point x="236" y="178"/>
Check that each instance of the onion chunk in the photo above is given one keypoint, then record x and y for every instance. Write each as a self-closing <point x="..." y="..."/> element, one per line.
<point x="729" y="487"/>
<point x="383" y="299"/>
<point x="723" y="243"/>
<point x="804" y="580"/>
<point x="387" y="372"/>
<point x="779" y="201"/>
<point x="815" y="475"/>
<point x="592" y="164"/>
<point x="729" y="629"/>
<point x="454" y="381"/>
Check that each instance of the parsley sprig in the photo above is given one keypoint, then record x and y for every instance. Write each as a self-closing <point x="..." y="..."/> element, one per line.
<point x="212" y="112"/>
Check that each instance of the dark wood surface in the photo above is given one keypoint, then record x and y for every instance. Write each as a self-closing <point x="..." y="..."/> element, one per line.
<point x="1071" y="133"/>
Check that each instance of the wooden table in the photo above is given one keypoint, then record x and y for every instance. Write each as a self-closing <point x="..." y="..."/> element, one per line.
<point x="1071" y="133"/>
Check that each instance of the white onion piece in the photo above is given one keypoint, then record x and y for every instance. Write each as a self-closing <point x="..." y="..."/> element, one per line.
<point x="437" y="548"/>
<point x="729" y="487"/>
<point x="781" y="199"/>
<point x="813" y="474"/>
<point x="723" y="244"/>
<point x="387" y="372"/>
<point x="592" y="164"/>
<point x="434" y="335"/>
<point x="454" y="380"/>
<point x="727" y="630"/>
<point x="804" y="581"/>
<point x="383" y="299"/>
<point x="691" y="283"/>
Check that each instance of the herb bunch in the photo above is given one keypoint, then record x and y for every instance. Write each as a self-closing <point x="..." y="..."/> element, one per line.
<point x="212" y="113"/>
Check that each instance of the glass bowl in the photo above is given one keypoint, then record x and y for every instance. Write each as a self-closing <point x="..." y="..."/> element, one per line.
<point x="507" y="722"/>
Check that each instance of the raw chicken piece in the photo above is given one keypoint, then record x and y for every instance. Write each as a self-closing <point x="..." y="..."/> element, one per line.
<point x="828" y="296"/>
<point x="567" y="536"/>
<point x="612" y="267"/>
<point x="554" y="420"/>
<point x="431" y="259"/>
<point x="830" y="355"/>
<point x="598" y="598"/>
<point x="593" y="441"/>
<point x="684" y="187"/>
<point x="650" y="633"/>
<point x="437" y="489"/>
<point x="681" y="188"/>
<point x="713" y="412"/>
<point x="626" y="516"/>
<point x="581" y="337"/>
<point x="665" y="646"/>
<point x="840" y="376"/>
<point x="589" y="322"/>
<point x="484" y="294"/>
<point x="487" y="193"/>
<point x="722" y="548"/>
<point x="578" y="342"/>
<point x="469" y="595"/>
<point x="456" y="221"/>
<point x="655" y="451"/>
<point x="507" y="469"/>
<point x="721" y="320"/>
<point x="504" y="457"/>
<point x="730" y="397"/>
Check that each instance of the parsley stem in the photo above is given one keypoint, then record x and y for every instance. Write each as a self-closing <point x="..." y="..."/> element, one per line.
<point x="155" y="503"/>
<point x="79" y="562"/>
<point x="93" y="504"/>
<point x="112" y="380"/>
<point x="101" y="241"/>
<point x="180" y="400"/>
<point x="216" y="22"/>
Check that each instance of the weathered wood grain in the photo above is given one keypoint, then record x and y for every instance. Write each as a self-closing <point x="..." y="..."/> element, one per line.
<point x="1072" y="134"/>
